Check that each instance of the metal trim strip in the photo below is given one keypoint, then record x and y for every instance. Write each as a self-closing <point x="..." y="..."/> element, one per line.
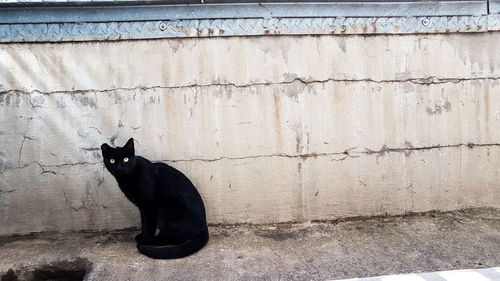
<point x="111" y="31"/>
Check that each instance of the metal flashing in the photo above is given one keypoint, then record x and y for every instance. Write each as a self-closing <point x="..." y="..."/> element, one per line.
<point x="243" y="27"/>
<point x="62" y="14"/>
<point x="118" y="22"/>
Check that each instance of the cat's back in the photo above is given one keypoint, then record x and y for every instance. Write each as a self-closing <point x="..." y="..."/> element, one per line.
<point x="161" y="171"/>
<point x="144" y="165"/>
<point x="169" y="172"/>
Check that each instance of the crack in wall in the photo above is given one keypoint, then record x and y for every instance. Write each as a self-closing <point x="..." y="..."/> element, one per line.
<point x="5" y="168"/>
<point x="90" y="148"/>
<point x="95" y="128"/>
<point x="65" y="197"/>
<point x="2" y="192"/>
<point x="25" y="137"/>
<point x="411" y="148"/>
<point x="7" y="191"/>
<point x="348" y="153"/>
<point x="431" y="80"/>
<point x="68" y="164"/>
<point x="88" y="201"/>
<point x="44" y="167"/>
<point x="345" y="154"/>
<point x="46" y="171"/>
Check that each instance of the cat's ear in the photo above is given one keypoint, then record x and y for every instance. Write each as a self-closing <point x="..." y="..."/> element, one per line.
<point x="129" y="146"/>
<point x="105" y="149"/>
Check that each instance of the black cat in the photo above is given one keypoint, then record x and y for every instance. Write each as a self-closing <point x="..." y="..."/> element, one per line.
<point x="167" y="201"/>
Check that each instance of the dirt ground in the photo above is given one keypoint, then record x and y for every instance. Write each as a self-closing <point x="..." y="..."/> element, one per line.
<point x="309" y="251"/>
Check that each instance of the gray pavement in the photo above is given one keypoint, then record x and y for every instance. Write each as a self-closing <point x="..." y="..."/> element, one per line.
<point x="482" y="274"/>
<point x="309" y="251"/>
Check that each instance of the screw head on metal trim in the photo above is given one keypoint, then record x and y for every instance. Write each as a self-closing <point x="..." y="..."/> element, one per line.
<point x="426" y="22"/>
<point x="162" y="26"/>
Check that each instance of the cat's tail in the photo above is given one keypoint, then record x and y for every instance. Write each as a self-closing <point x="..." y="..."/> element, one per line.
<point x="176" y="251"/>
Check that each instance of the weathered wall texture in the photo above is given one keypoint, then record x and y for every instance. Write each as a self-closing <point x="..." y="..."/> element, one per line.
<point x="270" y="129"/>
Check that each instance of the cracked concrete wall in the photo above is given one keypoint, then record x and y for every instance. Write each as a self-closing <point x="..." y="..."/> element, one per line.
<point x="270" y="129"/>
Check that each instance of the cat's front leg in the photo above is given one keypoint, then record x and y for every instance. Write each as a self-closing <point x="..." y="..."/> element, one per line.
<point x="148" y="227"/>
<point x="138" y="237"/>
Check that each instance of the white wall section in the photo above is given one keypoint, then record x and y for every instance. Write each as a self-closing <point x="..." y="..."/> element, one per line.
<point x="270" y="129"/>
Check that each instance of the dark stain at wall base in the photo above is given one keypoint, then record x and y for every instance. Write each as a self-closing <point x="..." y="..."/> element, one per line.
<point x="278" y="235"/>
<point x="74" y="270"/>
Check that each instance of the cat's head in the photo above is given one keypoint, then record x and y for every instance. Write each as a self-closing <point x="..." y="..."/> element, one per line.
<point x="119" y="161"/>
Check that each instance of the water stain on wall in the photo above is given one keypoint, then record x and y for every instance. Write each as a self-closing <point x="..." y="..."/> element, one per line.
<point x="37" y="100"/>
<point x="438" y="109"/>
<point x="87" y="101"/>
<point x="10" y="99"/>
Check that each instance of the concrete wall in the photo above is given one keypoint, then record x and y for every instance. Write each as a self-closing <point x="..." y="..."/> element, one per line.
<point x="270" y="129"/>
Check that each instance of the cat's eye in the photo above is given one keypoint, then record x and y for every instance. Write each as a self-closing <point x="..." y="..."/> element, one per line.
<point x="125" y="159"/>
<point x="112" y="161"/>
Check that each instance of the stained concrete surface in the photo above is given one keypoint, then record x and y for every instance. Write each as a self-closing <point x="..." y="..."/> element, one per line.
<point x="309" y="251"/>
